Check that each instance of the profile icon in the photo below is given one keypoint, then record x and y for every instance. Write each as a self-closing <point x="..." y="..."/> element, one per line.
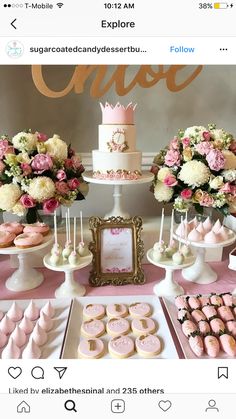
<point x="14" y="49"/>
<point x="212" y="406"/>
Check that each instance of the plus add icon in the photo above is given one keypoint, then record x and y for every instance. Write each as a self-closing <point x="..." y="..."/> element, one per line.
<point x="118" y="406"/>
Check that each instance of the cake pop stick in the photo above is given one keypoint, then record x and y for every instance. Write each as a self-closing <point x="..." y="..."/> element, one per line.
<point x="74" y="234"/>
<point x="69" y="236"/>
<point x="161" y="228"/>
<point x="81" y="227"/>
<point x="171" y="228"/>
<point x="55" y="228"/>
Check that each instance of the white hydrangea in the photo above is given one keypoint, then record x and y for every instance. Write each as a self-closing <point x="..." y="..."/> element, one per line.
<point x="230" y="160"/>
<point x="163" y="172"/>
<point x="195" y="132"/>
<point x="41" y="188"/>
<point x="25" y="141"/>
<point x="194" y="173"/>
<point x="56" y="148"/>
<point x="217" y="134"/>
<point x="9" y="195"/>
<point x="216" y="182"/>
<point x="162" y="192"/>
<point x="19" y="209"/>
<point x="229" y="175"/>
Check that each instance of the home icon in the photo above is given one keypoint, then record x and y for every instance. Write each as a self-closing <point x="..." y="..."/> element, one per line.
<point x="23" y="407"/>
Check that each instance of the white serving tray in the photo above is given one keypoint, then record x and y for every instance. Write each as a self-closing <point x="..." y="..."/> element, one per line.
<point x="73" y="336"/>
<point x="54" y="346"/>
<point x="183" y="341"/>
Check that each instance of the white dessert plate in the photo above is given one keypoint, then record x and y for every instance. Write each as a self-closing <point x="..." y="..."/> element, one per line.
<point x="56" y="336"/>
<point x="73" y="336"/>
<point x="183" y="341"/>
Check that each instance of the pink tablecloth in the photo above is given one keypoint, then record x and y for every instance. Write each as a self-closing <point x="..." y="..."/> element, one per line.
<point x="226" y="282"/>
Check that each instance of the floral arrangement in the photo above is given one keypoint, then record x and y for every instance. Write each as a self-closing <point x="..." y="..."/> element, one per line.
<point x="113" y="146"/>
<point x="197" y="168"/>
<point x="37" y="172"/>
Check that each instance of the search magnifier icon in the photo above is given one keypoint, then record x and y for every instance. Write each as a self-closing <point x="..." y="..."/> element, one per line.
<point x="70" y="405"/>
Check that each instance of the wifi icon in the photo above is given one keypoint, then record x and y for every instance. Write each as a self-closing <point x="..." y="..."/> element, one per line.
<point x="60" y="5"/>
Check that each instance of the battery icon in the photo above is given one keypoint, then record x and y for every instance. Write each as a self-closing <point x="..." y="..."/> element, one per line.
<point x="220" y="5"/>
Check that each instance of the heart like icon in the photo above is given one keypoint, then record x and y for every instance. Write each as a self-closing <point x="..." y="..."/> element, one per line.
<point x="165" y="405"/>
<point x="14" y="372"/>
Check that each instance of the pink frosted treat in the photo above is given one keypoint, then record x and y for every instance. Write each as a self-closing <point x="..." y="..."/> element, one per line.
<point x="45" y="322"/>
<point x="217" y="326"/>
<point x="231" y="327"/>
<point x="121" y="347"/>
<point x="37" y="228"/>
<point x="216" y="300"/>
<point x="15" y="228"/>
<point x="6" y="239"/>
<point x="228" y="344"/>
<point x="209" y="311"/>
<point x="204" y="327"/>
<point x="118" y="327"/>
<point x="204" y="300"/>
<point x="228" y="299"/>
<point x="148" y="345"/>
<point x="7" y="325"/>
<point x="15" y="313"/>
<point x="1" y="315"/>
<point x="91" y="348"/>
<point x="140" y="310"/>
<point x="143" y="326"/>
<point x="19" y="336"/>
<point x="48" y="309"/>
<point x="188" y="327"/>
<point x="196" y="344"/>
<point x="198" y="315"/>
<point x="31" y="351"/>
<point x="193" y="302"/>
<point x="32" y="311"/>
<point x="26" y="240"/>
<point x="212" y="346"/>
<point x="183" y="315"/>
<point x="211" y="238"/>
<point x="94" y="311"/>
<point x="11" y="351"/>
<point x="39" y="335"/>
<point x="117" y="310"/>
<point x="225" y="313"/>
<point x="92" y="328"/>
<point x="181" y="302"/>
<point x="3" y="339"/>
<point x="26" y="325"/>
<point x="195" y="236"/>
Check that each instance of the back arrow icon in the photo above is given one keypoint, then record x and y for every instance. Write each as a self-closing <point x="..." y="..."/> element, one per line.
<point x="12" y="24"/>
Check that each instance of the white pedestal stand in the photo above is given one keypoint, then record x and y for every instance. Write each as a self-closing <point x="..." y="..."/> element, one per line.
<point x="69" y="288"/>
<point x="25" y="277"/>
<point x="118" y="209"/>
<point x="167" y="286"/>
<point x="200" y="272"/>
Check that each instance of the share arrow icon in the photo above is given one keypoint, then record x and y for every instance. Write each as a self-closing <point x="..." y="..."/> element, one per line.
<point x="61" y="371"/>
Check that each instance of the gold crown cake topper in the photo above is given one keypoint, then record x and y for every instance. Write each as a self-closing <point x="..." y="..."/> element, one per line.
<point x="118" y="114"/>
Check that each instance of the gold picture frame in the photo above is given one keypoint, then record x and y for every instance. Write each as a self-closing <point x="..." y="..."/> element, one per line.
<point x="117" y="250"/>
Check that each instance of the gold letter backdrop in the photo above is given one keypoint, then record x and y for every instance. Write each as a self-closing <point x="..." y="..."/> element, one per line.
<point x="146" y="77"/>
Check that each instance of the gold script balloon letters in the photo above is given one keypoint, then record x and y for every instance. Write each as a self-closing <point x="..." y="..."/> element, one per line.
<point x="146" y="77"/>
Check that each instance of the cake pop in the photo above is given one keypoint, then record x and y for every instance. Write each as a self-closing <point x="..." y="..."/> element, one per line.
<point x="159" y="247"/>
<point x="177" y="257"/>
<point x="68" y="245"/>
<point x="185" y="249"/>
<point x="11" y="351"/>
<point x="56" y="251"/>
<point x="31" y="351"/>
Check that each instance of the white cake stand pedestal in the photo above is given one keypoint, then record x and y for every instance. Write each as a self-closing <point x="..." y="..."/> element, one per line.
<point x="200" y="272"/>
<point x="168" y="286"/>
<point x="25" y="277"/>
<point x="118" y="209"/>
<point x="69" y="288"/>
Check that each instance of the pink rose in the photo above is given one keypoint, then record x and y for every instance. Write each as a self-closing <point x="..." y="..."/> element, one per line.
<point x="227" y="188"/>
<point x="27" y="169"/>
<point x="206" y="200"/>
<point x="204" y="148"/>
<point x="68" y="164"/>
<point x="186" y="142"/>
<point x="172" y="158"/>
<point x="170" y="180"/>
<point x="41" y="137"/>
<point x="27" y="201"/>
<point x="215" y="159"/>
<point x="206" y="135"/>
<point x="61" y="174"/>
<point x="186" y="194"/>
<point x="62" y="188"/>
<point x="233" y="146"/>
<point x="71" y="152"/>
<point x="73" y="184"/>
<point x="76" y="161"/>
<point x="41" y="163"/>
<point x="4" y="145"/>
<point x="50" y="205"/>
<point x="2" y="167"/>
<point x="154" y="169"/>
<point x="174" y="144"/>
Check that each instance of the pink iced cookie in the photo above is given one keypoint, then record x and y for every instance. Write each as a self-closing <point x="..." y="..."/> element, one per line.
<point x="228" y="344"/>
<point x="209" y="311"/>
<point x="140" y="310"/>
<point x="94" y="311"/>
<point x="143" y="326"/>
<point x="148" y="345"/>
<point x="198" y="315"/>
<point x="121" y="347"/>
<point x="212" y="346"/>
<point x="225" y="313"/>
<point x="118" y="327"/>
<point x="181" y="302"/>
<point x="91" y="348"/>
<point x="92" y="328"/>
<point x="117" y="310"/>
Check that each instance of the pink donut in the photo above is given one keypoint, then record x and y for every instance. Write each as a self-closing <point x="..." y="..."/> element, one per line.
<point x="15" y="227"/>
<point x="25" y="240"/>
<point x="37" y="228"/>
<point x="6" y="238"/>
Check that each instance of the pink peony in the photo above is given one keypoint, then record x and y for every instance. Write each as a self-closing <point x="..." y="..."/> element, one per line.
<point x="215" y="160"/>
<point x="62" y="188"/>
<point x="172" y="158"/>
<point x="61" y="175"/>
<point x="41" y="163"/>
<point x="233" y="146"/>
<point x="174" y="144"/>
<point x="154" y="169"/>
<point x="73" y="184"/>
<point x="4" y="145"/>
<point x="186" y="142"/>
<point x="27" y="201"/>
<point x="50" y="205"/>
<point x="204" y="148"/>
<point x="41" y="137"/>
<point x="227" y="188"/>
<point x="206" y="200"/>
<point x="26" y="168"/>
<point x="170" y="180"/>
<point x="2" y="167"/>
<point x="206" y="135"/>
<point x="186" y="193"/>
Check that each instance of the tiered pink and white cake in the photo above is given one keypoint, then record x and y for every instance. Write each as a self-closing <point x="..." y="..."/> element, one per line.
<point x="117" y="157"/>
